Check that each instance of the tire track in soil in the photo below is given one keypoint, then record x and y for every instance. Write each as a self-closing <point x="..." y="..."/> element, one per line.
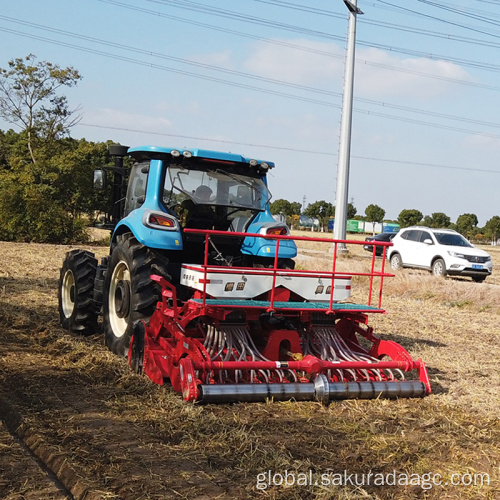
<point x="24" y="475"/>
<point x="32" y="469"/>
<point x="92" y="451"/>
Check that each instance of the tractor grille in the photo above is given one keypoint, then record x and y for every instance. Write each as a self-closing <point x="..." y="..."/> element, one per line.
<point x="473" y="258"/>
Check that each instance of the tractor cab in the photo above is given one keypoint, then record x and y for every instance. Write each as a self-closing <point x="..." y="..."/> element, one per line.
<point x="170" y="191"/>
<point x="215" y="198"/>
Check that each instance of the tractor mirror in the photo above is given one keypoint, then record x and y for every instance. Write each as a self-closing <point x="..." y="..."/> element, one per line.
<point x="99" y="179"/>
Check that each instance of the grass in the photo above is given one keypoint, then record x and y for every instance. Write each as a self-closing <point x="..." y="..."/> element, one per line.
<point x="132" y="439"/>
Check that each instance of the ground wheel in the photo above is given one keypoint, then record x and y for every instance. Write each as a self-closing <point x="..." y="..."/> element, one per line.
<point x="396" y="262"/>
<point x="129" y="294"/>
<point x="77" y="311"/>
<point x="439" y="268"/>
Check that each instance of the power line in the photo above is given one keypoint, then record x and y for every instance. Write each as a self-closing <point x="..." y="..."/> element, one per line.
<point x="461" y="12"/>
<point x="283" y="148"/>
<point x="241" y="85"/>
<point x="428" y="16"/>
<point x="229" y="14"/>
<point x="170" y="69"/>
<point x="432" y="33"/>
<point x="464" y="62"/>
<point x="294" y="6"/>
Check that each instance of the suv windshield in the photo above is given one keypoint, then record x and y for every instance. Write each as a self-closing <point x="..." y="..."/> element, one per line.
<point x="456" y="240"/>
<point x="215" y="187"/>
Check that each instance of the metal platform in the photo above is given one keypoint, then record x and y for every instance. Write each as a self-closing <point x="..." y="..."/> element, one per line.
<point x="264" y="304"/>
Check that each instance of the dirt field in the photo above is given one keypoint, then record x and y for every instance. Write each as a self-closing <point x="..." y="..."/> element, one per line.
<point x="101" y="432"/>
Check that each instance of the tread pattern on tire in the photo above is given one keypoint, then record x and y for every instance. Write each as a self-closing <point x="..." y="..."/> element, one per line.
<point x="145" y="294"/>
<point x="83" y="265"/>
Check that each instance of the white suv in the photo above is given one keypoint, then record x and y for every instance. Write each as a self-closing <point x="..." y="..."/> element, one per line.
<point x="441" y="251"/>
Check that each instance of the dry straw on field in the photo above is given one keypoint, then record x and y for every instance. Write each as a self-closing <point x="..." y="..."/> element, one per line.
<point x="132" y="439"/>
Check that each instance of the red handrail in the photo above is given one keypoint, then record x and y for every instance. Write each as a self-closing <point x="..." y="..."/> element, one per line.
<point x="275" y="270"/>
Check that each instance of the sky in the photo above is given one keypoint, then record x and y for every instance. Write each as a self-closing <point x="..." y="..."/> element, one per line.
<point x="265" y="78"/>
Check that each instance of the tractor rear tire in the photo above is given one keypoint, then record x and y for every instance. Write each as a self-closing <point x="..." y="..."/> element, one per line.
<point x="129" y="293"/>
<point x="77" y="310"/>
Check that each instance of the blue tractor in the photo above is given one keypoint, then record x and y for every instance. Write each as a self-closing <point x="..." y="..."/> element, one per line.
<point x="164" y="192"/>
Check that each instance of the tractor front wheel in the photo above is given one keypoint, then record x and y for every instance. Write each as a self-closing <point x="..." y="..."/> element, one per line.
<point x="129" y="293"/>
<point x="77" y="311"/>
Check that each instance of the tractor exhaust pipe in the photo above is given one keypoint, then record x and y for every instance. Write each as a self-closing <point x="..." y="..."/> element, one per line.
<point x="321" y="390"/>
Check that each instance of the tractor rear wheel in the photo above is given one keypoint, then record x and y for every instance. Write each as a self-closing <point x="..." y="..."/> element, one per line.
<point x="77" y="310"/>
<point x="129" y="294"/>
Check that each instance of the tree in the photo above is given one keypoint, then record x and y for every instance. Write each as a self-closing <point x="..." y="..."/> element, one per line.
<point x="409" y="217"/>
<point x="437" y="219"/>
<point x="29" y="100"/>
<point x="492" y="228"/>
<point x="321" y="210"/>
<point x="44" y="202"/>
<point x="466" y="224"/>
<point x="374" y="214"/>
<point x="351" y="211"/>
<point x="285" y="207"/>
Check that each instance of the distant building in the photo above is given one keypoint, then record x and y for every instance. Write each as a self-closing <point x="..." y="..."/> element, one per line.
<point x="360" y="226"/>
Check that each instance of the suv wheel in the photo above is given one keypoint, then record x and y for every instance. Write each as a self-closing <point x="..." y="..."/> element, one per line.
<point x="439" y="268"/>
<point x="396" y="262"/>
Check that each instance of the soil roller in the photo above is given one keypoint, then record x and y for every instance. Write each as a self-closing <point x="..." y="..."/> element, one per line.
<point x="251" y="334"/>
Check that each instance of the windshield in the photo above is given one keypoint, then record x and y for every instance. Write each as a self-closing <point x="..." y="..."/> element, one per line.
<point x="456" y="240"/>
<point x="215" y="188"/>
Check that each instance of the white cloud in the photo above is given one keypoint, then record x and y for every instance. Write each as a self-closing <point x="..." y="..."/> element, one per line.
<point x="297" y="66"/>
<point x="173" y="107"/>
<point x="483" y="142"/>
<point x="378" y="73"/>
<point x="381" y="74"/>
<point x="116" y="118"/>
<point x="379" y="139"/>
<point x="222" y="58"/>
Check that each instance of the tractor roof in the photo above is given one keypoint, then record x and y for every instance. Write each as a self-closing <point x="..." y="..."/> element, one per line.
<point x="142" y="152"/>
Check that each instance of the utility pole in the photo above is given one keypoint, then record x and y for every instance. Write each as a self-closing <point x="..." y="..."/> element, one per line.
<point x="339" y="230"/>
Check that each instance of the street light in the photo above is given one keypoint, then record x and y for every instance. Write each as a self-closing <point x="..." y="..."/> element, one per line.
<point x="339" y="230"/>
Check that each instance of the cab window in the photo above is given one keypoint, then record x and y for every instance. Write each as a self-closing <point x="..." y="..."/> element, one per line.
<point x="137" y="183"/>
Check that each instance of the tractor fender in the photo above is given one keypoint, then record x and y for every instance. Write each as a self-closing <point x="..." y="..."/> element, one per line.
<point x="262" y="247"/>
<point x="147" y="236"/>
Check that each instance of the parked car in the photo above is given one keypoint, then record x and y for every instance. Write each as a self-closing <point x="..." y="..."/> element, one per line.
<point x="441" y="251"/>
<point x="378" y="237"/>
